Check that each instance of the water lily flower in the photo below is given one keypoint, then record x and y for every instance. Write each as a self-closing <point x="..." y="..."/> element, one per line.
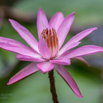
<point x="47" y="53"/>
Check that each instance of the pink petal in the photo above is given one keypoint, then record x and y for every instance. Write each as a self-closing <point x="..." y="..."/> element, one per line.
<point x="62" y="61"/>
<point x="28" y="70"/>
<point x="80" y="36"/>
<point x="67" y="48"/>
<point x="15" y="46"/>
<point x="80" y="58"/>
<point x="69" y="80"/>
<point x="25" y="34"/>
<point x="45" y="66"/>
<point x="64" y="28"/>
<point x="56" y="20"/>
<point x="84" y="50"/>
<point x="42" y="22"/>
<point x="37" y="58"/>
<point x="43" y="48"/>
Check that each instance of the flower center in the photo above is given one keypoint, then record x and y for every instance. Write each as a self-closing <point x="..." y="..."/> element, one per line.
<point x="51" y="39"/>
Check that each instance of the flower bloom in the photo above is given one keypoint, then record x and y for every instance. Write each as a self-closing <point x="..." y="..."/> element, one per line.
<point x="47" y="53"/>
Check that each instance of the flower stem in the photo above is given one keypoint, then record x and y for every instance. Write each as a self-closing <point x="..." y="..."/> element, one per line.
<point x="52" y="87"/>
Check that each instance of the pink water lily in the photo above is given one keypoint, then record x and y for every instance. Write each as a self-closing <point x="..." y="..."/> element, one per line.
<point x="47" y="53"/>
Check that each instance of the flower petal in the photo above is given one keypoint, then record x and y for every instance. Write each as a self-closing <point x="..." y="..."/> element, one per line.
<point x="37" y="58"/>
<point x="56" y="20"/>
<point x="25" y="34"/>
<point x="84" y="50"/>
<point x="28" y="70"/>
<point x="67" y="77"/>
<point x="45" y="66"/>
<point x="80" y="58"/>
<point x="64" y="28"/>
<point x="62" y="61"/>
<point x="67" y="48"/>
<point x="15" y="46"/>
<point x="43" y="48"/>
<point x="79" y="36"/>
<point x="42" y="22"/>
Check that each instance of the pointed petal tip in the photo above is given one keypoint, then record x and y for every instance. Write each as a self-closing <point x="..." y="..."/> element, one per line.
<point x="94" y="28"/>
<point x="9" y="83"/>
<point x="72" y="14"/>
<point x="83" y="60"/>
<point x="40" y="9"/>
<point x="80" y="96"/>
<point x="11" y="20"/>
<point x="23" y="73"/>
<point x="68" y="78"/>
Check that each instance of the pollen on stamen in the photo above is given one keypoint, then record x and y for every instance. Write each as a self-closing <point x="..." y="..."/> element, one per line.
<point x="51" y="39"/>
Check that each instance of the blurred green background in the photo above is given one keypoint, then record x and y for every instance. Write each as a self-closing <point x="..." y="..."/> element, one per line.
<point x="35" y="88"/>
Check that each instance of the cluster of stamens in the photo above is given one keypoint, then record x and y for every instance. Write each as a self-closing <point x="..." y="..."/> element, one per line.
<point x="51" y="39"/>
